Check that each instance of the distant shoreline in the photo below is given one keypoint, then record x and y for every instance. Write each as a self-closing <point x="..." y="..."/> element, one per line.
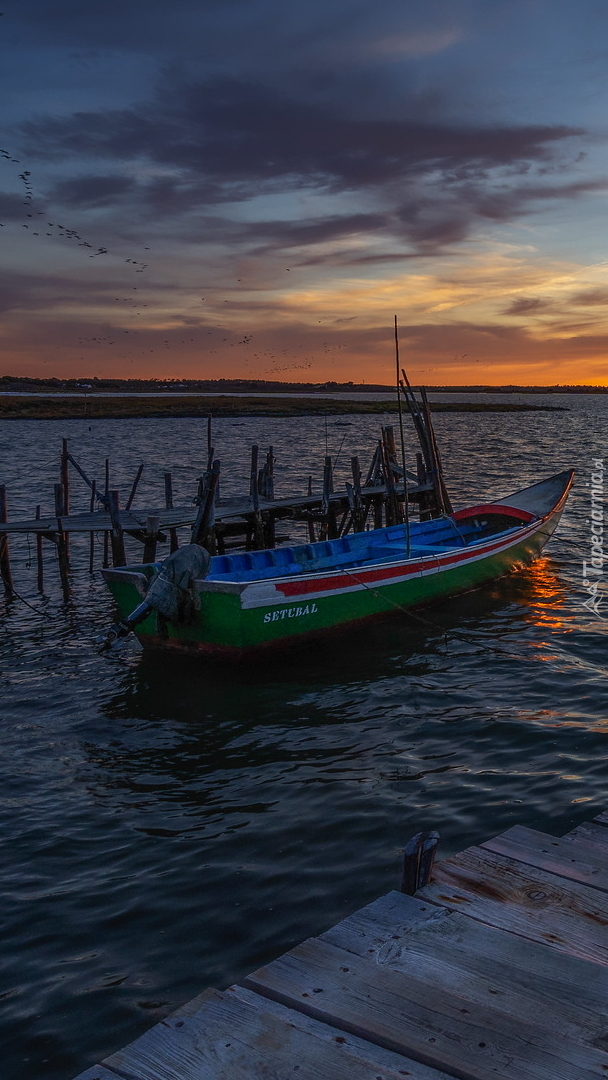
<point x="93" y="407"/>
<point x="89" y="387"/>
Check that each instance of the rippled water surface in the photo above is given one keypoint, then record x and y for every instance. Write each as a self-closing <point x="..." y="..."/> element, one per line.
<point x="168" y="825"/>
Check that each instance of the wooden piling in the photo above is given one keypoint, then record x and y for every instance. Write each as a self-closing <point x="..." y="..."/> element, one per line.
<point x="203" y="531"/>
<point x="255" y="536"/>
<point x="266" y="490"/>
<point x="310" y="524"/>
<point x="174" y="542"/>
<point x="428" y="852"/>
<point x="129" y="501"/>
<point x="65" y="489"/>
<point x="106" y="538"/>
<point x="358" y="509"/>
<point x="60" y="541"/>
<point x="92" y="534"/>
<point x="330" y="521"/>
<point x="443" y="497"/>
<point x="5" y="562"/>
<point x="411" y="865"/>
<point x="117" y="538"/>
<point x="388" y="458"/>
<point x="39" y="557"/>
<point x="151" y="539"/>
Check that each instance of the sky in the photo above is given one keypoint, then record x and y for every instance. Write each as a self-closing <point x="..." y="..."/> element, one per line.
<point x="254" y="189"/>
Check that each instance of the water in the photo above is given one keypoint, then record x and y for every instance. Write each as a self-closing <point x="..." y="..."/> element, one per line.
<point x="169" y="824"/>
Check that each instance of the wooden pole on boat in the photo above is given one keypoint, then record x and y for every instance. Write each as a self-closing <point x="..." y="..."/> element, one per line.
<point x="169" y="504"/>
<point x="5" y="563"/>
<point x="406" y="509"/>
<point x="39" y="556"/>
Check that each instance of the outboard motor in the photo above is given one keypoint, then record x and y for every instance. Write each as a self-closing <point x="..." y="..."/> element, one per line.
<point x="171" y="593"/>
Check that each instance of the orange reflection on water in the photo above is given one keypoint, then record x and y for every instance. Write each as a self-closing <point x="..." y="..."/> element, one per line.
<point x="545" y="595"/>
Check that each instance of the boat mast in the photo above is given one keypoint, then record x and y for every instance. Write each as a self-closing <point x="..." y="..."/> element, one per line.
<point x="405" y="489"/>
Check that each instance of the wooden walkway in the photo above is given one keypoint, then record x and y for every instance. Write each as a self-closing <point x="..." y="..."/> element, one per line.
<point x="497" y="970"/>
<point x="227" y="510"/>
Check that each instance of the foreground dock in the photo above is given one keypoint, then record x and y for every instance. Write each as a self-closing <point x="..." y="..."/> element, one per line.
<point x="496" y="970"/>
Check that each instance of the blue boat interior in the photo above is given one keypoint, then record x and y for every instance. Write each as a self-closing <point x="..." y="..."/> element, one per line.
<point x="427" y="538"/>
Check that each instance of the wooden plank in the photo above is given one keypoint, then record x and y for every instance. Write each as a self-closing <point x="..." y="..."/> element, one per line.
<point x="482" y="964"/>
<point x="235" y="1039"/>
<point x="591" y="835"/>
<point x="558" y="856"/>
<point x="99" y="1072"/>
<point x="405" y="1014"/>
<point x="99" y="521"/>
<point x="360" y="1048"/>
<point x="533" y="903"/>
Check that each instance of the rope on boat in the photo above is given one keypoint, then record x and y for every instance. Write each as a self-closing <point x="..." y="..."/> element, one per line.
<point x="435" y="626"/>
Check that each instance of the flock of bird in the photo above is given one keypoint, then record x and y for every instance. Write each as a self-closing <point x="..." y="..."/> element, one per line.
<point x="275" y="360"/>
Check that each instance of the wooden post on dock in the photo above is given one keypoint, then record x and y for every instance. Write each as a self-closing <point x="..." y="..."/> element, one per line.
<point x="39" y="557"/>
<point x="255" y="530"/>
<point x="174" y="542"/>
<point x="418" y="858"/>
<point x="5" y="563"/>
<point x="266" y="489"/>
<point x="389" y="480"/>
<point x="106" y="538"/>
<point x="358" y="510"/>
<point x="330" y="526"/>
<point x="310" y="524"/>
<point x="151" y="539"/>
<point x="117" y="538"/>
<point x="129" y="501"/>
<point x="203" y="532"/>
<point x="378" y="500"/>
<point x="443" y="498"/>
<point x="60" y="540"/>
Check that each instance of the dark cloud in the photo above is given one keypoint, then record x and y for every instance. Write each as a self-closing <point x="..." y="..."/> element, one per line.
<point x="238" y="131"/>
<point x="591" y="297"/>
<point x="527" y="305"/>
<point x="288" y="234"/>
<point x="92" y="191"/>
<point x="228" y="139"/>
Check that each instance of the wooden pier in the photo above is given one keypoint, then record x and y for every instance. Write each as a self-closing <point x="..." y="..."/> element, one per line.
<point x="381" y="496"/>
<point x="497" y="969"/>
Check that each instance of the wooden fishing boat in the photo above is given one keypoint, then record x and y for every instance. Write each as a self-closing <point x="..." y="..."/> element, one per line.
<point x="252" y="599"/>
